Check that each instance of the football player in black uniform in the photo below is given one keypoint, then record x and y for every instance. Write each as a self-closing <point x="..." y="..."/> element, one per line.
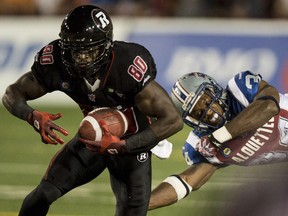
<point x="95" y="71"/>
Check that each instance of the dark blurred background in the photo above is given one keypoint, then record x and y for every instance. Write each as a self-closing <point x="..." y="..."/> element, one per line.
<point x="248" y="9"/>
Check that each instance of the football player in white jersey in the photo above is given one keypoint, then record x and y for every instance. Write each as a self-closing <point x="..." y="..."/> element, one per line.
<point x="244" y="124"/>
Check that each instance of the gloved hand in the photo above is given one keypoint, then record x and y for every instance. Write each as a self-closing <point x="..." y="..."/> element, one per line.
<point x="208" y="146"/>
<point x="42" y="122"/>
<point x="109" y="143"/>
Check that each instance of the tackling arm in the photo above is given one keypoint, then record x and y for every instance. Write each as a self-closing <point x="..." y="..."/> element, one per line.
<point x="264" y="106"/>
<point x="16" y="95"/>
<point x="15" y="100"/>
<point x="177" y="187"/>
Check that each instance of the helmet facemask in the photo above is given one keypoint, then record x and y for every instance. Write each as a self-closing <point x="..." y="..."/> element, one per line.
<point x="85" y="61"/>
<point x="205" y="115"/>
<point x="200" y="101"/>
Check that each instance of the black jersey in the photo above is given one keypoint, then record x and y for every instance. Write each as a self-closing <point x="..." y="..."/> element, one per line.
<point x="130" y="69"/>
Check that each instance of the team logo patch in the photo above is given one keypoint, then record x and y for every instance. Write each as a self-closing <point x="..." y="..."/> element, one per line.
<point x="91" y="97"/>
<point x="119" y="94"/>
<point x="101" y="20"/>
<point x="226" y="152"/>
<point x="65" y="85"/>
<point x="142" y="157"/>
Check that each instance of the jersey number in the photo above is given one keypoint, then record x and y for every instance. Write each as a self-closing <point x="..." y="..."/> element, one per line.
<point x="47" y="57"/>
<point x="138" y="68"/>
<point x="250" y="79"/>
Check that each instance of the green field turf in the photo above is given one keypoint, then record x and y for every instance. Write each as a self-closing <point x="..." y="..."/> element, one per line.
<point x="23" y="160"/>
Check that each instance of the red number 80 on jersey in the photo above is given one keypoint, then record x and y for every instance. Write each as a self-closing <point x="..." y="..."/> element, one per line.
<point x="138" y="69"/>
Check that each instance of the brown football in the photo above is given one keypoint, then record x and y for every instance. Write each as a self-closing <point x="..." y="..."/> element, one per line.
<point x="115" y="120"/>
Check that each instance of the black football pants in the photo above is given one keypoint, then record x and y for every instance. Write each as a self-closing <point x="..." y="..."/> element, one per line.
<point x="74" y="165"/>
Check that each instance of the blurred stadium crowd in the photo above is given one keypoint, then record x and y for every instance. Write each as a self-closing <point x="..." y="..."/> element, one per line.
<point x="262" y="9"/>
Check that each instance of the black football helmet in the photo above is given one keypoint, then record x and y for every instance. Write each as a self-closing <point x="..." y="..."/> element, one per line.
<point x="87" y="30"/>
<point x="186" y="94"/>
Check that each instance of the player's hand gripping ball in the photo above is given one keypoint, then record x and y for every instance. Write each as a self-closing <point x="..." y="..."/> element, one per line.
<point x="91" y="128"/>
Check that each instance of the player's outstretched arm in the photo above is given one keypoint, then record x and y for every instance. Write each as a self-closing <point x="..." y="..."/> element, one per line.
<point x="17" y="94"/>
<point x="15" y="100"/>
<point x="177" y="187"/>
<point x="265" y="104"/>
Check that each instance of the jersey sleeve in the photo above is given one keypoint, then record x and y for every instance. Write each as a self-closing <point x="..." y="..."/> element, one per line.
<point x="147" y="67"/>
<point x="141" y="68"/>
<point x="38" y="72"/>
<point x="244" y="87"/>
<point x="46" y="67"/>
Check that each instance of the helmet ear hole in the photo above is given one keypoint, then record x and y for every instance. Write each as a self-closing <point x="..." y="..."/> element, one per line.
<point x="84" y="28"/>
<point x="186" y="93"/>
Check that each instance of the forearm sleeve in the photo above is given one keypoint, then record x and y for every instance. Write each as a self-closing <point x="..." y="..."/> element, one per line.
<point x="18" y="108"/>
<point x="142" y="141"/>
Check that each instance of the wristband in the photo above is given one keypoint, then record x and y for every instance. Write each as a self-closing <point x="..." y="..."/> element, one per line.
<point x="22" y="111"/>
<point x="222" y="134"/>
<point x="181" y="187"/>
<point x="29" y="118"/>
